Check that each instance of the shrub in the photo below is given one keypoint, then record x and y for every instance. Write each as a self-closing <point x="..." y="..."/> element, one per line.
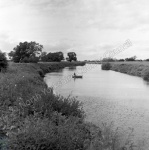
<point x="46" y="102"/>
<point x="36" y="133"/>
<point x="106" y="66"/>
<point x="146" y="75"/>
<point x="3" y="61"/>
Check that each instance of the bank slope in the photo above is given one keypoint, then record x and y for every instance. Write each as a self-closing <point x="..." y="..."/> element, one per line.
<point x="140" y="69"/>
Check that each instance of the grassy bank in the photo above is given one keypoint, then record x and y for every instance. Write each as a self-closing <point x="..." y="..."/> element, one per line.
<point x="32" y="117"/>
<point x="140" y="69"/>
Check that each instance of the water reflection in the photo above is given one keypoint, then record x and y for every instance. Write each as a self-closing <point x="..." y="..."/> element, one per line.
<point x="72" y="68"/>
<point x="146" y="82"/>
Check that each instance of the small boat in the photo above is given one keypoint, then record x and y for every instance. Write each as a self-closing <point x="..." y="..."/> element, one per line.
<point x="77" y="76"/>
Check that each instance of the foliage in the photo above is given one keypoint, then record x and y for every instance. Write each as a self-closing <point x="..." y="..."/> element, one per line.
<point x="108" y="59"/>
<point x="121" y="60"/>
<point x="146" y="75"/>
<point x="52" y="57"/>
<point x="131" y="58"/>
<point x="3" y="61"/>
<point x="71" y="56"/>
<point x="42" y="133"/>
<point x="43" y="56"/>
<point x="147" y="60"/>
<point x="26" y="52"/>
<point x="106" y="66"/>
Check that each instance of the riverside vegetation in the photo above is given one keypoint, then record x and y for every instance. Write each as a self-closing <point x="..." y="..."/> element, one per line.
<point x="140" y="69"/>
<point x="49" y="121"/>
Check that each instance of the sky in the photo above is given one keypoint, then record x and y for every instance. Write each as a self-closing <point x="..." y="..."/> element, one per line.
<point x="88" y="27"/>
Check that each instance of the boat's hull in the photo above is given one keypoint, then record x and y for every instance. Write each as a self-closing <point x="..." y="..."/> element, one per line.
<point x="77" y="76"/>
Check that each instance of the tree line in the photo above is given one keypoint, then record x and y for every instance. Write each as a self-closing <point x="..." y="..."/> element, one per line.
<point x="133" y="58"/>
<point x="27" y="52"/>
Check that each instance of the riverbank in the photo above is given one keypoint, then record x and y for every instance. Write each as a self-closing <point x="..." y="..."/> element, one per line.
<point x="140" y="69"/>
<point x="32" y="117"/>
<point x="48" y="67"/>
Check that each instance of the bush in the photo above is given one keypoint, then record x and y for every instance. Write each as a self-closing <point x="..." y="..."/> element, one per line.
<point x="106" y="66"/>
<point x="146" y="75"/>
<point x="46" y="102"/>
<point x="36" y="133"/>
<point x="29" y="60"/>
<point x="3" y="61"/>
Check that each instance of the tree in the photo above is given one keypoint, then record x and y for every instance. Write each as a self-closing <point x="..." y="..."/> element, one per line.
<point x="26" y="52"/>
<point x="11" y="54"/>
<point x="50" y="57"/>
<point x="146" y="59"/>
<point x="71" y="56"/>
<point x="58" y="56"/>
<point x="43" y="56"/>
<point x="121" y="60"/>
<point x="131" y="58"/>
<point x="3" y="61"/>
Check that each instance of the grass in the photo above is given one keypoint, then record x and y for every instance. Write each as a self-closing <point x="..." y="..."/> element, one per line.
<point x="32" y="117"/>
<point x="140" y="69"/>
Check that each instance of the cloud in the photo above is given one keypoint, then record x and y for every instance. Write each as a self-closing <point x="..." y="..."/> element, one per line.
<point x="57" y="47"/>
<point x="6" y="42"/>
<point x="89" y="27"/>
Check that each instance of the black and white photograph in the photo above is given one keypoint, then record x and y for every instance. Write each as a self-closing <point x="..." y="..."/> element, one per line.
<point x="74" y="75"/>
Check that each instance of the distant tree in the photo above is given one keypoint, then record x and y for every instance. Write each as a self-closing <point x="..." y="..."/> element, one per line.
<point x="121" y="60"/>
<point x="108" y="59"/>
<point x="139" y="60"/>
<point x="58" y="56"/>
<point x="43" y="56"/>
<point x="131" y="58"/>
<point x="3" y="61"/>
<point x="71" y="56"/>
<point x="26" y="52"/>
<point x="11" y="55"/>
<point x="50" y="57"/>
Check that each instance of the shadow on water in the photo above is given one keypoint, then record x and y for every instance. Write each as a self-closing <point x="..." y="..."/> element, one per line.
<point x="72" y="68"/>
<point x="146" y="82"/>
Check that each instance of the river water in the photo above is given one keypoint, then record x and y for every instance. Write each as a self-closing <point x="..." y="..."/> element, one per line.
<point x="107" y="96"/>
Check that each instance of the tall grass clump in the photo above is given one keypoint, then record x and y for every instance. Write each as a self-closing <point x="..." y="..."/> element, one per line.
<point x="106" y="66"/>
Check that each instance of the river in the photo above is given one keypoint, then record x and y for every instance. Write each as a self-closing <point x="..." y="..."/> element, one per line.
<point x="108" y="96"/>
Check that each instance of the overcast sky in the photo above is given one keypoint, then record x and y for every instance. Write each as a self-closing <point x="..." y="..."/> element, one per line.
<point x="87" y="27"/>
